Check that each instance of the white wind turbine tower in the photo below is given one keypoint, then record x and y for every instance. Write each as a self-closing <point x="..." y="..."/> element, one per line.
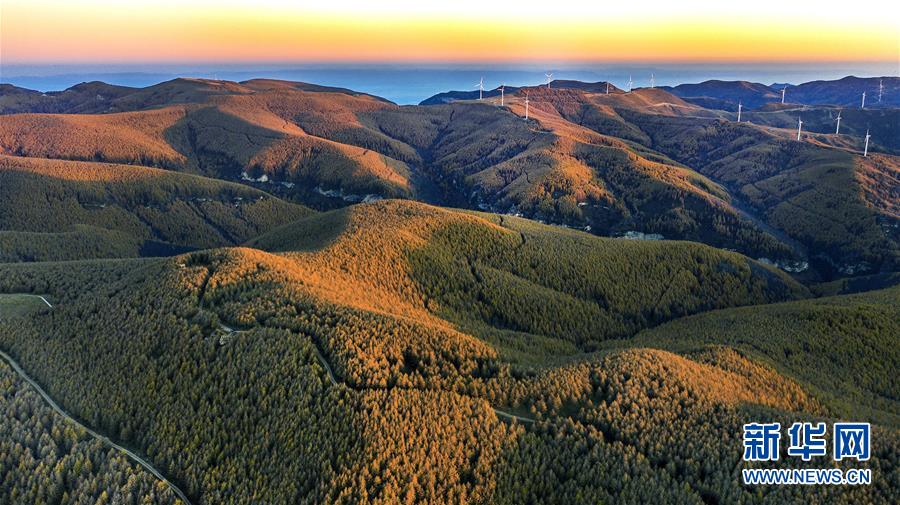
<point x="799" y="127"/>
<point x="837" y="130"/>
<point x="740" y="106"/>
<point x="502" y="87"/>
<point x="607" y="87"/>
<point x="863" y="106"/>
<point x="652" y="81"/>
<point x="549" y="77"/>
<point x="526" y="106"/>
<point x="480" y="87"/>
<point x="630" y="84"/>
<point x="880" y="89"/>
<point x="782" y="93"/>
<point x="866" y="148"/>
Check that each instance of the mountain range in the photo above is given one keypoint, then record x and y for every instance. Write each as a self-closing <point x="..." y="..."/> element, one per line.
<point x="277" y="292"/>
<point x="646" y="162"/>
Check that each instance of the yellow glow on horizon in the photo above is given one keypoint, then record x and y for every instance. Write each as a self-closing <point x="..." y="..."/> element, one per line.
<point x="278" y="30"/>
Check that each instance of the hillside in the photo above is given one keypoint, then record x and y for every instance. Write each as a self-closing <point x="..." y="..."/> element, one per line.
<point x="66" y="463"/>
<point x="478" y="271"/>
<point x="86" y="97"/>
<point x="726" y="95"/>
<point x="844" y="347"/>
<point x="234" y="133"/>
<point x="407" y="338"/>
<point x="316" y="144"/>
<point x="612" y="164"/>
<point x="60" y="210"/>
<point x="883" y="124"/>
<point x="829" y="204"/>
<point x="824" y="198"/>
<point x="846" y="92"/>
<point x="453" y="96"/>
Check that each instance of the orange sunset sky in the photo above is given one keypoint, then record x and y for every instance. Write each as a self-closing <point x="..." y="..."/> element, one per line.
<point x="53" y="31"/>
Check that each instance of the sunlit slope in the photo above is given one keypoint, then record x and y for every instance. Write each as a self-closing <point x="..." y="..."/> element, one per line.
<point x="551" y="169"/>
<point x="833" y="201"/>
<point x="645" y="161"/>
<point x="60" y="210"/>
<point x="503" y="275"/>
<point x="137" y="349"/>
<point x="225" y="130"/>
<point x="302" y="140"/>
<point x="845" y="346"/>
<point x="133" y="137"/>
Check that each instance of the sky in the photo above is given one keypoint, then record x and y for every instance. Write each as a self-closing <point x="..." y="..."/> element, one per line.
<point x="549" y="31"/>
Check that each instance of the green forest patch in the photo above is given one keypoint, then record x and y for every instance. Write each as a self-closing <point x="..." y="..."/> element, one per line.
<point x="19" y="305"/>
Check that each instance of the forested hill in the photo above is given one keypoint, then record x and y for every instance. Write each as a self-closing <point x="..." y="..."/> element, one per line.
<point x="58" y="210"/>
<point x="410" y="336"/>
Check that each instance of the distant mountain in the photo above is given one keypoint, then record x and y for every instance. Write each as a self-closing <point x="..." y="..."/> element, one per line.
<point x="452" y="96"/>
<point x="726" y="95"/>
<point x="846" y="92"/>
<point x="82" y="98"/>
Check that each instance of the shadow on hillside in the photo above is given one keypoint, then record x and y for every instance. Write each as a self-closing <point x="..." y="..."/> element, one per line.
<point x="309" y="234"/>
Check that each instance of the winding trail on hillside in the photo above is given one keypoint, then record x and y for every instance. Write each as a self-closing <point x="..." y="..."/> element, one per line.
<point x="102" y="438"/>
<point x="334" y="382"/>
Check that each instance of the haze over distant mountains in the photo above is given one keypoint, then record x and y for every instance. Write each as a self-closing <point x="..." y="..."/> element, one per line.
<point x="408" y="84"/>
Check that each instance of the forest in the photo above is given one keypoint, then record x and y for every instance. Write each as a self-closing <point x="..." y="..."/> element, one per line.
<point x="44" y="460"/>
<point x="282" y="293"/>
<point x="261" y="384"/>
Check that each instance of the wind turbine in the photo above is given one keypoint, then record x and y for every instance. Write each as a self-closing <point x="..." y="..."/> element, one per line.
<point x="630" y="84"/>
<point x="480" y="87"/>
<point x="526" y="106"/>
<point x="837" y="131"/>
<point x="863" y="106"/>
<point x="782" y="93"/>
<point x="866" y="148"/>
<point x="799" y="128"/>
<point x="740" y="106"/>
<point x="502" y="86"/>
<point x="880" y="89"/>
<point x="607" y="87"/>
<point x="549" y="76"/>
<point x="652" y="81"/>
